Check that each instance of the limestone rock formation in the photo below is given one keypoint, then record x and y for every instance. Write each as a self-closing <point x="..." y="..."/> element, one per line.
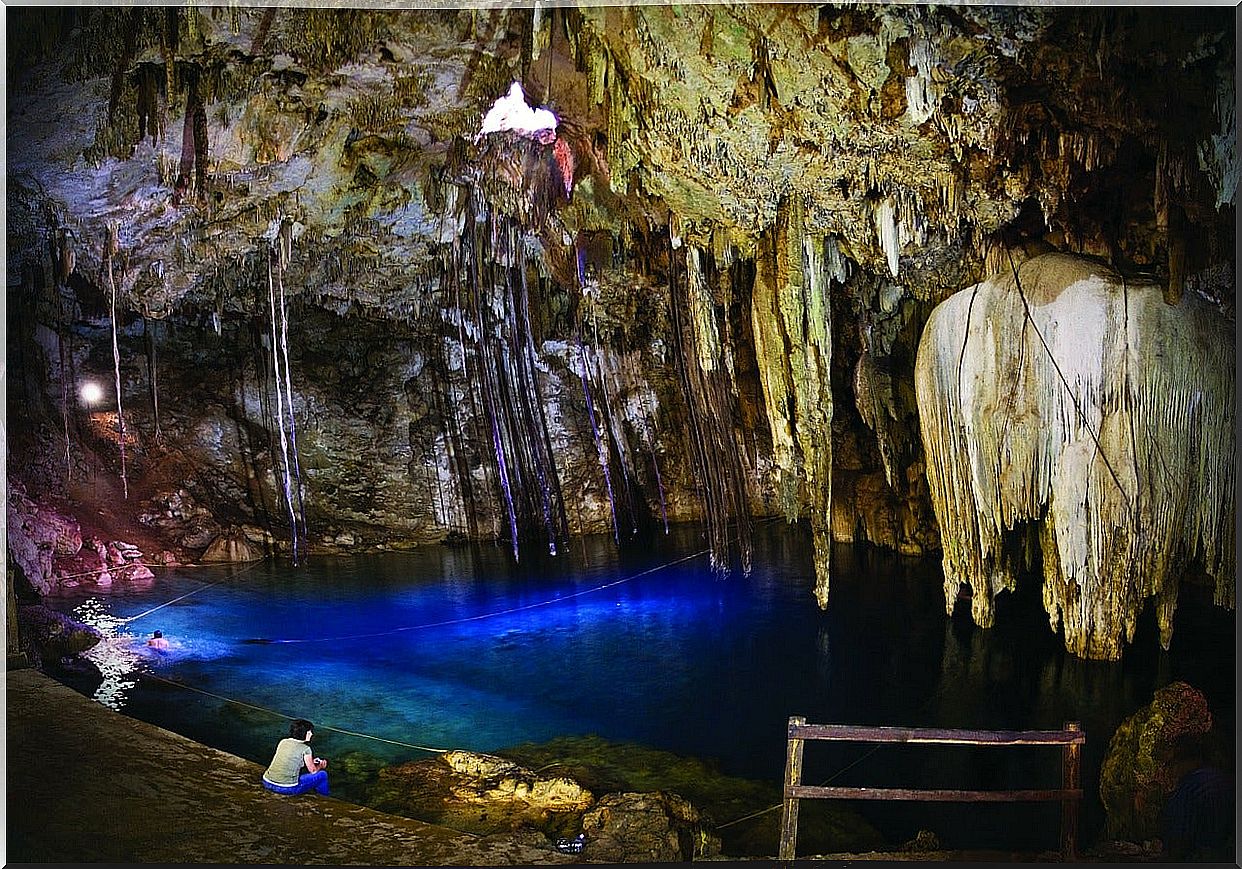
<point x="647" y="828"/>
<point x="36" y="535"/>
<point x="482" y="794"/>
<point x="48" y="636"/>
<point x="313" y="294"/>
<point x="1134" y="780"/>
<point x="1063" y="396"/>
<point x="232" y="547"/>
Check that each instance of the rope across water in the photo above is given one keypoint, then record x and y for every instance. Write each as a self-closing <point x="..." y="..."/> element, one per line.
<point x="480" y="617"/>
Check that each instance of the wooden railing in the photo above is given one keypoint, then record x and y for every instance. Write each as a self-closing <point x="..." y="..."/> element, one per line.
<point x="1071" y="740"/>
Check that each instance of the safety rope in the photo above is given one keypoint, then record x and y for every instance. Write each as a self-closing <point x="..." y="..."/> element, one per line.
<point x="482" y="616"/>
<point x="258" y="708"/>
<point x="1086" y="424"/>
<point x="244" y="570"/>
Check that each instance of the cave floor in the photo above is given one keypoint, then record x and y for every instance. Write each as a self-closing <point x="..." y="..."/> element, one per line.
<point x="86" y="784"/>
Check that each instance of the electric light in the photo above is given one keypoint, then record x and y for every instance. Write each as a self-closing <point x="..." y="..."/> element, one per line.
<point x="90" y="392"/>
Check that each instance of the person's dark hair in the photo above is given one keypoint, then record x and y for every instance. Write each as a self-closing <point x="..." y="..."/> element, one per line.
<point x="159" y="634"/>
<point x="299" y="728"/>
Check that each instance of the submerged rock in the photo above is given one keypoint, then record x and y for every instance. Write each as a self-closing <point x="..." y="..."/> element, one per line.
<point x="481" y="793"/>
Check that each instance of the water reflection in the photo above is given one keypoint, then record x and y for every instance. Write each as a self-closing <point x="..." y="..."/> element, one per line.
<point x="116" y="656"/>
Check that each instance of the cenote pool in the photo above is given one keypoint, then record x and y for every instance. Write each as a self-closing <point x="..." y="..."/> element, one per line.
<point x="449" y="647"/>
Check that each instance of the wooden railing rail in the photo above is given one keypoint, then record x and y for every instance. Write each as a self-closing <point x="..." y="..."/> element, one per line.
<point x="1071" y="739"/>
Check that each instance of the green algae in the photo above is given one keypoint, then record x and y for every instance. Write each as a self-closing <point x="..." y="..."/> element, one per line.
<point x="604" y="767"/>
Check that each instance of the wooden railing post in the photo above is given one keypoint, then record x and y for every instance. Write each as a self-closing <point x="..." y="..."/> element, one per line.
<point x="1071" y="773"/>
<point x="793" y="778"/>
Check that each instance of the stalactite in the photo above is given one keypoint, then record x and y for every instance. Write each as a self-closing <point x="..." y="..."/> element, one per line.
<point x="813" y="390"/>
<point x="1115" y="435"/>
<point x="887" y="232"/>
<point x="168" y="52"/>
<point x="711" y="401"/>
<point x="584" y="369"/>
<point x="286" y="470"/>
<point x="192" y="179"/>
<point x="112" y="246"/>
<point x="791" y="317"/>
<point x="284" y="254"/>
<point x="152" y="380"/>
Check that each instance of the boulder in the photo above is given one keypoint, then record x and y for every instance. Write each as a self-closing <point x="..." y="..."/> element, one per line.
<point x="232" y="546"/>
<point x="654" y="827"/>
<point x="47" y="636"/>
<point x="482" y="794"/>
<point x="1135" y="778"/>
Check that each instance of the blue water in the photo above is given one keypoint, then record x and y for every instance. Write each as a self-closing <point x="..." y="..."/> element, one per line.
<point x="459" y="648"/>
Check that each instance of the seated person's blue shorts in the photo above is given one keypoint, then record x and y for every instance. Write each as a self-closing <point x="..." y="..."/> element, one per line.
<point x="307" y="781"/>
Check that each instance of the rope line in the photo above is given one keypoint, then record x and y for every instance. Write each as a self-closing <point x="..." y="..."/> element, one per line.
<point x="129" y="619"/>
<point x="482" y="616"/>
<point x="1086" y="423"/>
<point x="258" y="708"/>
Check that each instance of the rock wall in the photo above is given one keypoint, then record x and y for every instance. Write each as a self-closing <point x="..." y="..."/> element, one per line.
<point x="325" y="308"/>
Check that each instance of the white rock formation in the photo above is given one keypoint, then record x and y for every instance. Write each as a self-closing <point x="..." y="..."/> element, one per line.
<point x="1085" y="406"/>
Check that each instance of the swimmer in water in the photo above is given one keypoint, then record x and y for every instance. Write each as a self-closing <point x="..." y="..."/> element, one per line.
<point x="157" y="641"/>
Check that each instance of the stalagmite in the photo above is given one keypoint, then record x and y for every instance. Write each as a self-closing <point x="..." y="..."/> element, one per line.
<point x="1069" y="399"/>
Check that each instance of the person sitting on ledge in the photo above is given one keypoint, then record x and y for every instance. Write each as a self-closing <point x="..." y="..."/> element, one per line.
<point x="294" y="768"/>
<point x="158" y="641"/>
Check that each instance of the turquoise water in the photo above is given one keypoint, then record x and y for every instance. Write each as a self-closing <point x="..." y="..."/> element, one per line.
<point x="458" y="648"/>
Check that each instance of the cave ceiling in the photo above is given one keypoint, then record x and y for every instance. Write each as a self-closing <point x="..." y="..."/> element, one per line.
<point x="193" y="131"/>
<point x="697" y="296"/>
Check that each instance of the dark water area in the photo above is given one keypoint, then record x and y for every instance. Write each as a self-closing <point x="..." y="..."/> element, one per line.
<point x="449" y="647"/>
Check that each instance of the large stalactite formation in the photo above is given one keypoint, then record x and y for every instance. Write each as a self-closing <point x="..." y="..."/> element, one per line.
<point x="1062" y="395"/>
<point x="347" y="314"/>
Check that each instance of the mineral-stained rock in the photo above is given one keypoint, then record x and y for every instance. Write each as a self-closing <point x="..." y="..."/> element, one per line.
<point x="38" y="533"/>
<point x="232" y="546"/>
<point x="743" y="204"/>
<point x="655" y="827"/>
<point x="1134" y="779"/>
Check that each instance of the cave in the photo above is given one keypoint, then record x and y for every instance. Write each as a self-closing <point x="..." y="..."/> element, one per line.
<point x="595" y="388"/>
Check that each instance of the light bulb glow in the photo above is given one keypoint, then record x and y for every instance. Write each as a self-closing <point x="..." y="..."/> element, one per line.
<point x="90" y="392"/>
